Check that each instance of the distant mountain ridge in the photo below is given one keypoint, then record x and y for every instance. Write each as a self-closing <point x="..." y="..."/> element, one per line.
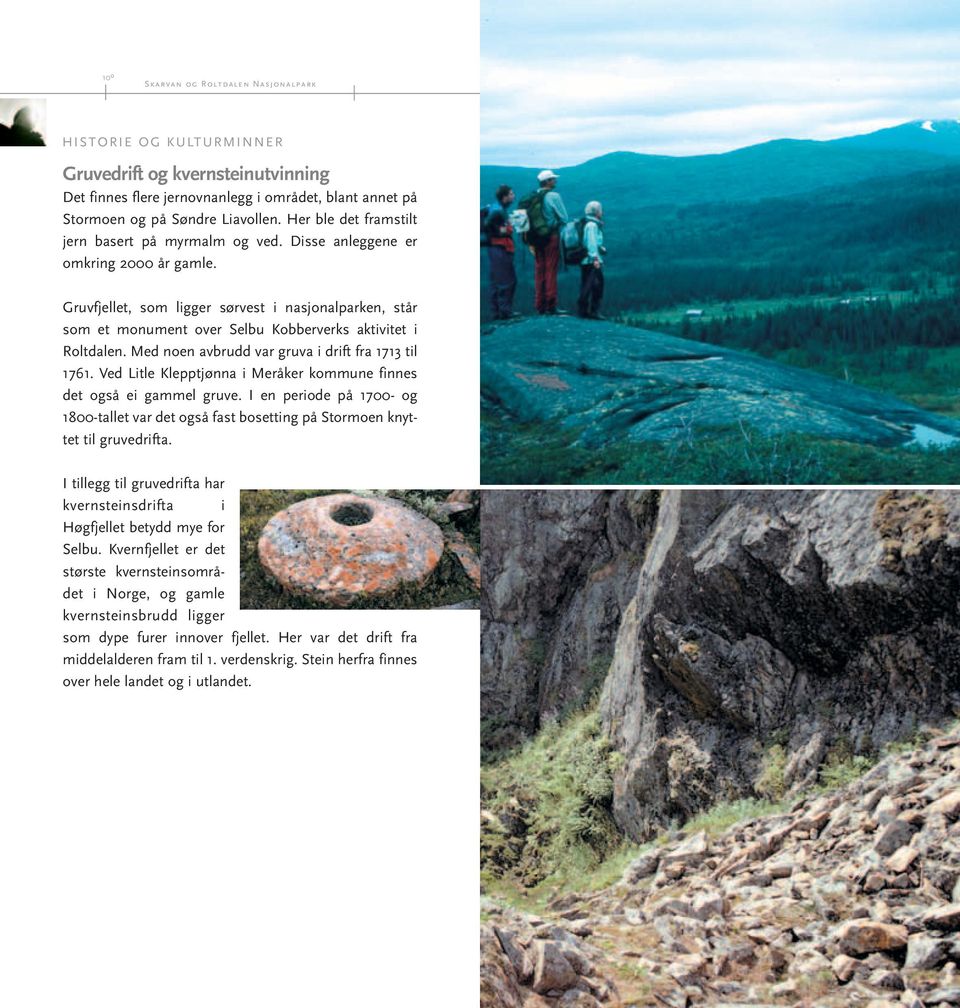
<point x="935" y="136"/>
<point x="774" y="168"/>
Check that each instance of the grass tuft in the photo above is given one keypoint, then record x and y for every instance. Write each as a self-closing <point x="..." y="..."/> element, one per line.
<point x="721" y="817"/>
<point x="770" y="783"/>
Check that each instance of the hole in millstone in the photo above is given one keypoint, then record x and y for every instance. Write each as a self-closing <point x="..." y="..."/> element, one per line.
<point x="352" y="514"/>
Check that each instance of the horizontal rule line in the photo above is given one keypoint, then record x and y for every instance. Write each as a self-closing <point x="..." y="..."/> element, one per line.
<point x="345" y="94"/>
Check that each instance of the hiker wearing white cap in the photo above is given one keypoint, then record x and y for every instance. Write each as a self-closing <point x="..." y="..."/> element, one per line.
<point x="546" y="214"/>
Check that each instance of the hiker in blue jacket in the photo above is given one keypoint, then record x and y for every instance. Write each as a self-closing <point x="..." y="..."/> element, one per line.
<point x="591" y="266"/>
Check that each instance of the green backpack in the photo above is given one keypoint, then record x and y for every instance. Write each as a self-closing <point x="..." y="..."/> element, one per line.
<point x="539" y="230"/>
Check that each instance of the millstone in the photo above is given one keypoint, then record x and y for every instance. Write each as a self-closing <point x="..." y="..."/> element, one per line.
<point x="337" y="547"/>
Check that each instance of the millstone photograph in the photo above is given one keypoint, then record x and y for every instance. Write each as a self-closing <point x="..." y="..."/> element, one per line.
<point x="359" y="549"/>
<point x="720" y="748"/>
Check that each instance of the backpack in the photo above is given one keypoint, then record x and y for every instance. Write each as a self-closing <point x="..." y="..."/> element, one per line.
<point x="484" y="225"/>
<point x="571" y="241"/>
<point x="539" y="230"/>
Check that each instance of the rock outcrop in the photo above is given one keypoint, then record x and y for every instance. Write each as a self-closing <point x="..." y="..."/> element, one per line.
<point x="733" y="620"/>
<point x="812" y="619"/>
<point x="526" y="962"/>
<point x="808" y="907"/>
<point x="558" y="570"/>
<point x="614" y="383"/>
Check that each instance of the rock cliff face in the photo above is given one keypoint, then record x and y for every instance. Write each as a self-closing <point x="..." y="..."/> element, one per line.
<point x="733" y="621"/>
<point x="558" y="571"/>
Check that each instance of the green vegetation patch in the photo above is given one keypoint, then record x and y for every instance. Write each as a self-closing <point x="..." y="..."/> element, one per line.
<point x="903" y="345"/>
<point x="842" y="766"/>
<point x="547" y="808"/>
<point x="770" y="782"/>
<point x="721" y="817"/>
<point x="542" y="453"/>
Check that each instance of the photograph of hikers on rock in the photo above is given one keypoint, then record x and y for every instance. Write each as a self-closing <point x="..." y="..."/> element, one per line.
<point x="720" y="243"/>
<point x="720" y="748"/>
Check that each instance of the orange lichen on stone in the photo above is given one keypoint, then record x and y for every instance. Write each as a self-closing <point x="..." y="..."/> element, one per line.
<point x="337" y="547"/>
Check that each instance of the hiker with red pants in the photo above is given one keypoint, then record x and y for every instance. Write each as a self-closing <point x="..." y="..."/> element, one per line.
<point x="546" y="215"/>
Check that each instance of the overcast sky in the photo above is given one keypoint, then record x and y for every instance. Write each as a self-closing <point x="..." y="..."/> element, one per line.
<point x="566" y="81"/>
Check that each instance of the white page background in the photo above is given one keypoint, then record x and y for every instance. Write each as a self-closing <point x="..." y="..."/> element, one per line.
<point x="311" y="840"/>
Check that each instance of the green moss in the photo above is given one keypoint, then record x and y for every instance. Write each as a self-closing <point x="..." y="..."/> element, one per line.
<point x="913" y="737"/>
<point x="571" y="877"/>
<point x="839" y="773"/>
<point x="446" y="585"/>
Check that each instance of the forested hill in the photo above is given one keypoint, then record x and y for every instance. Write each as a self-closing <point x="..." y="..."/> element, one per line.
<point x="777" y="168"/>
<point x="885" y="233"/>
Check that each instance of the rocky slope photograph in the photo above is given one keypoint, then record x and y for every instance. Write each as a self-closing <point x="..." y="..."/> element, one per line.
<point x="720" y="748"/>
